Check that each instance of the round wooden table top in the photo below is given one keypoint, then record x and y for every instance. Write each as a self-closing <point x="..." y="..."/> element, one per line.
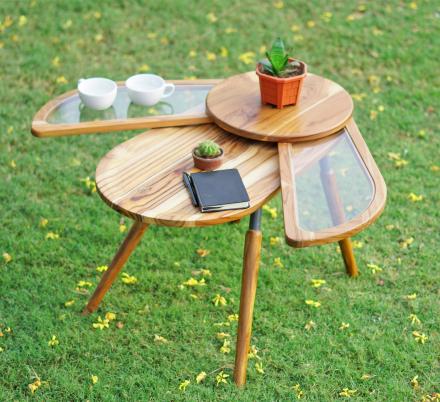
<point x="142" y="177"/>
<point x="323" y="108"/>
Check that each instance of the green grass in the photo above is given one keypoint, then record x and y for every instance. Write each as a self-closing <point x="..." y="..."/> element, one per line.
<point x="398" y="44"/>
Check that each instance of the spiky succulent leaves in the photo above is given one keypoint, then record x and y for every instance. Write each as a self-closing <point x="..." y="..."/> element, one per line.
<point x="267" y="66"/>
<point x="277" y="56"/>
<point x="291" y="69"/>
<point x="208" y="149"/>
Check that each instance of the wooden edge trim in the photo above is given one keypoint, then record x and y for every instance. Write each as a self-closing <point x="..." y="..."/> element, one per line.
<point x="195" y="223"/>
<point x="297" y="237"/>
<point x="41" y="128"/>
<point x="274" y="138"/>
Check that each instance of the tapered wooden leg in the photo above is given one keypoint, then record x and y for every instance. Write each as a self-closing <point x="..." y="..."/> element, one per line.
<point x="251" y="262"/>
<point x="336" y="207"/>
<point x="126" y="248"/>
<point x="348" y="256"/>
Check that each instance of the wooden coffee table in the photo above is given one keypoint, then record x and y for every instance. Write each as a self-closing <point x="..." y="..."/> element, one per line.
<point x="331" y="186"/>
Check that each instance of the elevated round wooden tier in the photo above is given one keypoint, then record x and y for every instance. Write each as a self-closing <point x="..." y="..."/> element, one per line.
<point x="142" y="177"/>
<point x="235" y="105"/>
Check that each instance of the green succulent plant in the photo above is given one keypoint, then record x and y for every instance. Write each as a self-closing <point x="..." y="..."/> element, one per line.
<point x="208" y="149"/>
<point x="277" y="62"/>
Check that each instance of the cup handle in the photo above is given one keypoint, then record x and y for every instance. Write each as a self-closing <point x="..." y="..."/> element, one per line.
<point x="169" y="90"/>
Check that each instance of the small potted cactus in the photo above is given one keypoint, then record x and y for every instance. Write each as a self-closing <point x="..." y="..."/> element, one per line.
<point x="281" y="77"/>
<point x="207" y="155"/>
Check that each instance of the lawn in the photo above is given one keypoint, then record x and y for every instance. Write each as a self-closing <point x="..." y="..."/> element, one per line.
<point x="56" y="231"/>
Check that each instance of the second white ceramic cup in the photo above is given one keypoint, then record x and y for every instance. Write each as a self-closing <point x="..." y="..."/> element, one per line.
<point x="148" y="89"/>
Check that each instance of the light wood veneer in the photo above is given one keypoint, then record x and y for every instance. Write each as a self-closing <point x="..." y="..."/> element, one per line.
<point x="323" y="108"/>
<point x="142" y="177"/>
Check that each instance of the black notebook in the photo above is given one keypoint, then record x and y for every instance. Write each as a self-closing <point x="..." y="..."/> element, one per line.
<point x="218" y="190"/>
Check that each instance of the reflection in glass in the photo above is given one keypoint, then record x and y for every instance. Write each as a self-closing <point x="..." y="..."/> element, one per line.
<point x="87" y="114"/>
<point x="159" y="109"/>
<point x="332" y="183"/>
<point x="186" y="99"/>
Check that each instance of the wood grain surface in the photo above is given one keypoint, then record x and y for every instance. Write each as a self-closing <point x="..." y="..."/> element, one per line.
<point x="323" y="108"/>
<point x="42" y="128"/>
<point x="298" y="237"/>
<point x="142" y="177"/>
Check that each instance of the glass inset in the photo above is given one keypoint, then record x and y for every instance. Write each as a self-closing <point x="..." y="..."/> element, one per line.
<point x="186" y="100"/>
<point x="332" y="183"/>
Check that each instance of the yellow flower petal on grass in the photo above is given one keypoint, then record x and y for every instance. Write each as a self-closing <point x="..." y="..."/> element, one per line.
<point x="310" y="325"/>
<point x="94" y="379"/>
<point x="7" y="257"/>
<point x="233" y="317"/>
<point x="210" y="56"/>
<point x="110" y="316"/>
<point x="347" y="393"/>
<point x="414" y="382"/>
<point x="101" y="324"/>
<point x="53" y="341"/>
<point x="184" y="385"/>
<point x="412" y="296"/>
<point x="274" y="241"/>
<point x="56" y="62"/>
<point x="82" y="284"/>
<point x="247" y="58"/>
<point x="317" y="283"/>
<point x="222" y="335"/>
<point x="69" y="303"/>
<point x="194" y="282"/>
<point x="366" y="376"/>
<point x="160" y="339"/>
<point x="414" y="319"/>
<point x="414" y="197"/>
<point x="102" y="268"/>
<point x="211" y="17"/>
<point x="299" y="393"/>
<point x="219" y="300"/>
<point x="35" y="385"/>
<point x="313" y="303"/>
<point x="225" y="348"/>
<point x="278" y="4"/>
<point x="259" y="367"/>
<point x="22" y="21"/>
<point x="344" y="325"/>
<point x="128" y="279"/>
<point x="224" y="52"/>
<point x="420" y="337"/>
<point x="277" y="262"/>
<point x="61" y="80"/>
<point x="374" y="268"/>
<point x="200" y="377"/>
<point x="311" y="24"/>
<point x="405" y="243"/>
<point x="221" y="378"/>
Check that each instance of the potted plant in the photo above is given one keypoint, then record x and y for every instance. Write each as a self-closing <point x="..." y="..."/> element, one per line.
<point x="281" y="77"/>
<point x="207" y="155"/>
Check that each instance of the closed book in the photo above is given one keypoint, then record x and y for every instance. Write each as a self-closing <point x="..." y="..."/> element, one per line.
<point x="218" y="190"/>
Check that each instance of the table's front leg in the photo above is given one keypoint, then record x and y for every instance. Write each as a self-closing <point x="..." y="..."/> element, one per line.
<point x="131" y="241"/>
<point x="251" y="262"/>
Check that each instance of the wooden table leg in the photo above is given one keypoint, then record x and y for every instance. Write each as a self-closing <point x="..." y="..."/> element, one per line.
<point x="336" y="207"/>
<point x="131" y="241"/>
<point x="251" y="262"/>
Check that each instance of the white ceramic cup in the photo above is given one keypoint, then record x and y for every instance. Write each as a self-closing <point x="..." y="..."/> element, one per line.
<point x="148" y="89"/>
<point x="97" y="93"/>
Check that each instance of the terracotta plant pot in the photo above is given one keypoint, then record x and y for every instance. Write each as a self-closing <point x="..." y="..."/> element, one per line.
<point x="280" y="92"/>
<point x="207" y="163"/>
